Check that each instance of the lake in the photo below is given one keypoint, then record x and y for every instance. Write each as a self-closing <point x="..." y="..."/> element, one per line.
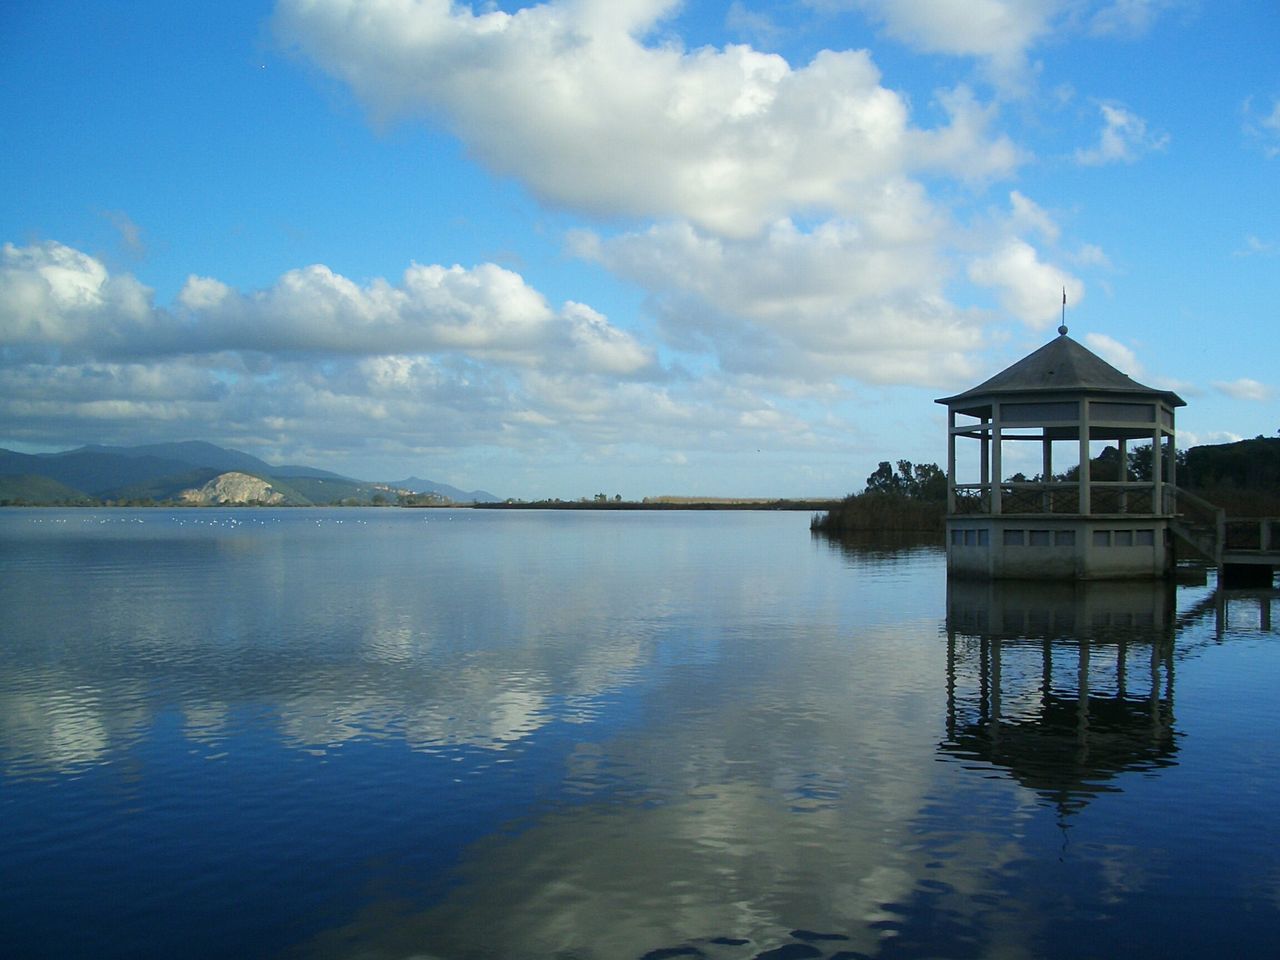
<point x="470" y="733"/>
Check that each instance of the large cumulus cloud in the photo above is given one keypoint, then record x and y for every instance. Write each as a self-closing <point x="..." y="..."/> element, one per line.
<point x="569" y="98"/>
<point x="55" y="298"/>
<point x="789" y="225"/>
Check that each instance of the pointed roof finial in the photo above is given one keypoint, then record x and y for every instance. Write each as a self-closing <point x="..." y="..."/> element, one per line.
<point x="1062" y="330"/>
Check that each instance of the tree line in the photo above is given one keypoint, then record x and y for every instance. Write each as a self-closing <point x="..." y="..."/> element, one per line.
<point x="903" y="498"/>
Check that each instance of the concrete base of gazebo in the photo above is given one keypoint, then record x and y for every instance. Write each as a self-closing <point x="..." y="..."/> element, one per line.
<point x="1123" y="547"/>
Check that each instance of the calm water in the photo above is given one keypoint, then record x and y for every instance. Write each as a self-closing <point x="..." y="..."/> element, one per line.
<point x="470" y="734"/>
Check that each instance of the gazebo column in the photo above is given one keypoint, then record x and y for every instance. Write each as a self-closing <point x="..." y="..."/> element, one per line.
<point x="984" y="476"/>
<point x="996" y="467"/>
<point x="951" y="461"/>
<point x="1122" y="447"/>
<point x="1084" y="477"/>
<point x="1157" y="470"/>
<point x="1046" y="472"/>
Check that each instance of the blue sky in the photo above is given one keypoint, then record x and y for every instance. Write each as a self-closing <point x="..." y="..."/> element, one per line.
<point x="632" y="246"/>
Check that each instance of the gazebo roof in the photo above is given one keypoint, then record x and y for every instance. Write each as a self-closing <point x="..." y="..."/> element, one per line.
<point x="1061" y="365"/>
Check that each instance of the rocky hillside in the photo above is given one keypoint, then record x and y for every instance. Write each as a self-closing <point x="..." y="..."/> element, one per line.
<point x="230" y="489"/>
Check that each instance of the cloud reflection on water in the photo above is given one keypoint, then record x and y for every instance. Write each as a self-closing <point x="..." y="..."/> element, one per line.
<point x="781" y="793"/>
<point x="703" y="738"/>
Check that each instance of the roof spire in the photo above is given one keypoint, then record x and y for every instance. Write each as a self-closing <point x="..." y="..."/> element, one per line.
<point x="1062" y="330"/>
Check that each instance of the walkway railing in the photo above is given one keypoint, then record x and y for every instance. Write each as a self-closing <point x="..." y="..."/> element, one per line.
<point x="1200" y="523"/>
<point x="1223" y="539"/>
<point x="1261" y="534"/>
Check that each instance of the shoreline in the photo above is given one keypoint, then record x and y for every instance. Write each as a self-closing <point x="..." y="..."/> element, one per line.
<point x="660" y="505"/>
<point x="795" y="505"/>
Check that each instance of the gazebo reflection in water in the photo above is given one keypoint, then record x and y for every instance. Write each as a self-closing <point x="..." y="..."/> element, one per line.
<point x="1064" y="685"/>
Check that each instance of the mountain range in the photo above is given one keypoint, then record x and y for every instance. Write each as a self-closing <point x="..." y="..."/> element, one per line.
<point x="162" y="472"/>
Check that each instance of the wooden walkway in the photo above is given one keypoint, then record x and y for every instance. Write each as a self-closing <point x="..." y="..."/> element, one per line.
<point x="1245" y="546"/>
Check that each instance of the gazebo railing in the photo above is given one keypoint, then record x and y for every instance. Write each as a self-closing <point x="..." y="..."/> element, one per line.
<point x="1106" y="498"/>
<point x="1039" y="498"/>
<point x="972" y="499"/>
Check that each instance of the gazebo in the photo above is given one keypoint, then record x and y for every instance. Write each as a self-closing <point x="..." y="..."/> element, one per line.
<point x="1101" y="517"/>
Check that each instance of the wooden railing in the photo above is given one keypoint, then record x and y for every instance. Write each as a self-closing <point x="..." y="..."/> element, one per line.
<point x="1235" y="540"/>
<point x="1200" y="523"/>
<point x="1105" y="498"/>
<point x="1254" y="533"/>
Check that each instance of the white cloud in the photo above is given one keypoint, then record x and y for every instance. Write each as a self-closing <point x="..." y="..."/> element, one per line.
<point x="1124" y="136"/>
<point x="844" y="299"/>
<point x="965" y="147"/>
<point x="203" y="293"/>
<point x="1115" y="353"/>
<point x="1272" y="120"/>
<point x="1028" y="288"/>
<point x="1029" y="216"/>
<point x="1128" y="18"/>
<point x="1000" y="32"/>
<point x="130" y="232"/>
<point x="1263" y="125"/>
<point x="794" y="234"/>
<point x="745" y="22"/>
<point x="603" y="348"/>
<point x="565" y="96"/>
<point x="1091" y="255"/>
<point x="1255" y="246"/>
<point x="1245" y="389"/>
<point x="729" y="149"/>
<point x="53" y="296"/>
<point x="104" y="382"/>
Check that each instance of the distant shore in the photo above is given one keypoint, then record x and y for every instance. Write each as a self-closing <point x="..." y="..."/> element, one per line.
<point x="661" y="503"/>
<point x="672" y="503"/>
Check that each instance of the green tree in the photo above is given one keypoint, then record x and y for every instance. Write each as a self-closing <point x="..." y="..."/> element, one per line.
<point x="928" y="482"/>
<point x="919" y="481"/>
<point x="884" y="480"/>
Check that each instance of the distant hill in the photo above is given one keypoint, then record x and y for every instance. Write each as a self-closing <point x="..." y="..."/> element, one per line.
<point x="38" y="489"/>
<point x="1243" y="477"/>
<point x="164" y="472"/>
<point x="90" y="473"/>
<point x="418" y="485"/>
<point x="197" y="453"/>
<point x="1245" y="464"/>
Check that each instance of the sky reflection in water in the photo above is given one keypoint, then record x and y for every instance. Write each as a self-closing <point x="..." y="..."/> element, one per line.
<point x="472" y="734"/>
